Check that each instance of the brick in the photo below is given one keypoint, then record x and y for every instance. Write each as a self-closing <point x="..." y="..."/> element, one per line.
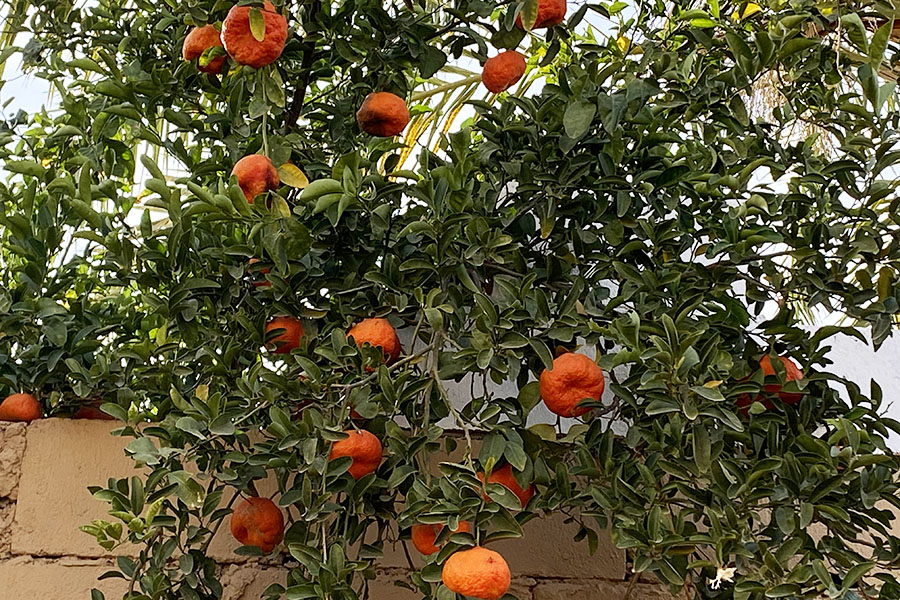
<point x="24" y="579"/>
<point x="62" y="458"/>
<point x="548" y="550"/>
<point x="249" y="581"/>
<point x="7" y="510"/>
<point x="384" y="586"/>
<point x="600" y="590"/>
<point x="12" y="447"/>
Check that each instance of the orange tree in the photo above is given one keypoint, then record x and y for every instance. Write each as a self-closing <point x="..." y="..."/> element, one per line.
<point x="632" y="234"/>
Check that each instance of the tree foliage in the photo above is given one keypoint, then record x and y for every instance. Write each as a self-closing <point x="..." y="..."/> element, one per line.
<point x="638" y="203"/>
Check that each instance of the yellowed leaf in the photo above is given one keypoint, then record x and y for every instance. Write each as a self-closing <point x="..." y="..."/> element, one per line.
<point x="282" y="207"/>
<point x="749" y="10"/>
<point x="291" y="175"/>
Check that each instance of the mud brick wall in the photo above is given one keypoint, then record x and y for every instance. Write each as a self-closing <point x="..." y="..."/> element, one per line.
<point x="46" y="467"/>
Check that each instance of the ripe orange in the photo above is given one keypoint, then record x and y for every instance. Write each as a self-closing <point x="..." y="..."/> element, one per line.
<point x="258" y="522"/>
<point x="477" y="573"/>
<point x="92" y="411"/>
<point x="423" y="536"/>
<point x="505" y="477"/>
<point x="256" y="175"/>
<point x="288" y="339"/>
<point x="243" y="47"/>
<point x="20" y="407"/>
<point x="380" y="333"/>
<point x="363" y="447"/>
<point x="573" y="378"/>
<point x="503" y="71"/>
<point x="792" y="372"/>
<point x="382" y="114"/>
<point x="199" y="40"/>
<point x="258" y="277"/>
<point x="549" y="14"/>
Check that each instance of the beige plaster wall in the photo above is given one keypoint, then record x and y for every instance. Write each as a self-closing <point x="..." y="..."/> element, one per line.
<point x="46" y="467"/>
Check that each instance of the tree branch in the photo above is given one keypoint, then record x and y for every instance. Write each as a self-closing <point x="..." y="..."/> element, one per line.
<point x="299" y="96"/>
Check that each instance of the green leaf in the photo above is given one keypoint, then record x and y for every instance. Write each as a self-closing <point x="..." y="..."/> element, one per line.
<point x="855" y="573"/>
<point x="577" y="118"/>
<point x="702" y="23"/>
<point x="528" y="13"/>
<point x="222" y="425"/>
<point x="257" y="24"/>
<point x="529" y="395"/>
<point x="879" y="44"/>
<point x="709" y="393"/>
<point x="25" y="167"/>
<point x="188" y="491"/>
<point x="190" y="425"/>
<point x="542" y="351"/>
<point x="701" y="447"/>
<point x="785" y="589"/>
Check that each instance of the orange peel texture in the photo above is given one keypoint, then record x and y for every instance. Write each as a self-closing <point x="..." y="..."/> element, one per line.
<point x="549" y="14"/>
<point x="258" y="522"/>
<point x="197" y="42"/>
<point x="256" y="175"/>
<point x="503" y="71"/>
<point x="573" y="378"/>
<point x="424" y="535"/>
<point x="288" y="339"/>
<point x="243" y="47"/>
<point x="477" y="573"/>
<point x="382" y="114"/>
<point x="363" y="447"/>
<point x="20" y="407"/>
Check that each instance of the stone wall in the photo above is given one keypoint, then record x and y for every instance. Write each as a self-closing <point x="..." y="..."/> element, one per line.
<point x="45" y="469"/>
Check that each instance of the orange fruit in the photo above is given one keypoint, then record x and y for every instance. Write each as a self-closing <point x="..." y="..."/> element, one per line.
<point x="243" y="47"/>
<point x="258" y="277"/>
<point x="256" y="175"/>
<point x="258" y="522"/>
<point x="382" y="114"/>
<point x="573" y="378"/>
<point x="20" y="407"/>
<point x="363" y="447"/>
<point x="288" y="339"/>
<point x="503" y="71"/>
<point x="549" y="14"/>
<point x="477" y="573"/>
<point x="92" y="411"/>
<point x="380" y="333"/>
<point x="197" y="42"/>
<point x="505" y="477"/>
<point x="792" y="372"/>
<point x="423" y="536"/>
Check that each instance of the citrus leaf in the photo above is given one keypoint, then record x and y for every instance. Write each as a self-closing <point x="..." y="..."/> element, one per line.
<point x="577" y="118"/>
<point x="257" y="24"/>
<point x="528" y="12"/>
<point x="291" y="175"/>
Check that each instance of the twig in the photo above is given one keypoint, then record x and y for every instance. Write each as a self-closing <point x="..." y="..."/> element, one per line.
<point x="309" y="54"/>
<point x="435" y="375"/>
<point x="393" y="367"/>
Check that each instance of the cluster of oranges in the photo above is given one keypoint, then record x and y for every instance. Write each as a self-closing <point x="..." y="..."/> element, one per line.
<point x="573" y="378"/>
<point x="382" y="114"/>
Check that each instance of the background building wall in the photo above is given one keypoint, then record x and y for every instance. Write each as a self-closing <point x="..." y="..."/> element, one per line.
<point x="46" y="467"/>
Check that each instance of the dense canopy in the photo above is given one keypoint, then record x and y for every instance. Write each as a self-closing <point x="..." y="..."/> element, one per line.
<point x="672" y="188"/>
